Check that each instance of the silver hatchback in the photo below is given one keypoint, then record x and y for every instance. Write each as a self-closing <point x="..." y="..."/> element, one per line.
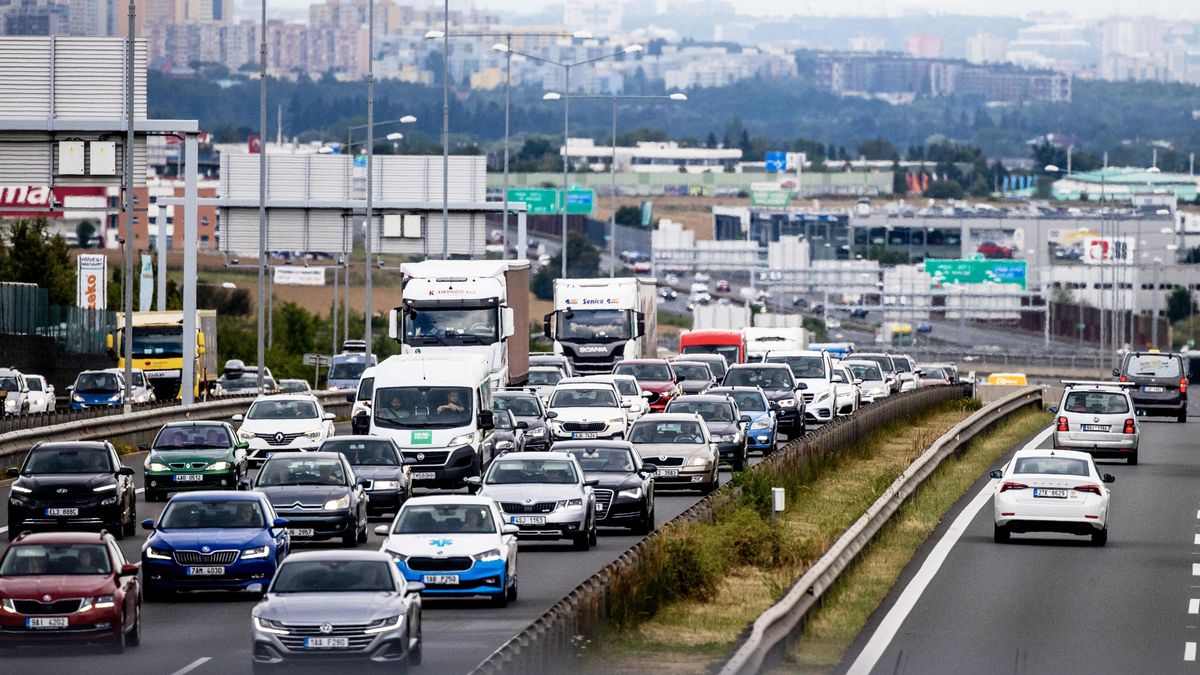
<point x="1097" y="418"/>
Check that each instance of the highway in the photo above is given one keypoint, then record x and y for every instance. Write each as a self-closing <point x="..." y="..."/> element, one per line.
<point x="1050" y="603"/>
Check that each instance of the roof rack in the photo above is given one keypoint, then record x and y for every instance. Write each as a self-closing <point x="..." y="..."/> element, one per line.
<point x="1097" y="383"/>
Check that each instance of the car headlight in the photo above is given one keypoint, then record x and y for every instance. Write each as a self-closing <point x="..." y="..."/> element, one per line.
<point x="108" y="501"/>
<point x="77" y="398"/>
<point x="396" y="557"/>
<point x="98" y="602"/>
<point x="269" y="626"/>
<point x="315" y="434"/>
<point x="761" y="423"/>
<point x="21" y="489"/>
<point x="570" y="504"/>
<point x="699" y="461"/>
<point x="504" y="445"/>
<point x="635" y="493"/>
<point x="536" y="432"/>
<point x="385" y="625"/>
<point x="156" y="466"/>
<point x="256" y="552"/>
<point x="7" y="605"/>
<point x="787" y="403"/>
<point x="823" y="396"/>
<point x="385" y="485"/>
<point x="725" y="438"/>
<point x="490" y="555"/>
<point x="158" y="553"/>
<point x="245" y="435"/>
<point x="342" y="502"/>
<point x="105" y="488"/>
<point x="114" y="398"/>
<point x="615" y="421"/>
<point x="464" y="439"/>
<point x="218" y="466"/>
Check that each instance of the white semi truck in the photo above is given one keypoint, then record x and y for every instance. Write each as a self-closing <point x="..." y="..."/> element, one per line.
<point x="597" y="323"/>
<point x="476" y="307"/>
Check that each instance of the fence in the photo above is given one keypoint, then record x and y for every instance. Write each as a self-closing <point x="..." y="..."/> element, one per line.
<point x="25" y="309"/>
<point x="549" y="643"/>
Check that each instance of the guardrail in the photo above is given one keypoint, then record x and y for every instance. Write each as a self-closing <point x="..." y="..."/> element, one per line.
<point x="36" y="420"/>
<point x="552" y="640"/>
<point x="775" y="629"/>
<point x="14" y="444"/>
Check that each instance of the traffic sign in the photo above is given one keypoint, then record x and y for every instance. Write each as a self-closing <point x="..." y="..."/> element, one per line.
<point x="776" y="162"/>
<point x="316" y="359"/>
<point x="976" y="271"/>
<point x="546" y="201"/>
<point x="775" y="198"/>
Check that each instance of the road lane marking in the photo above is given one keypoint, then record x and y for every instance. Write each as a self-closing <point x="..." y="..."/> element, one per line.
<point x="1194" y="606"/>
<point x="137" y="491"/>
<point x="205" y="659"/>
<point x="890" y="625"/>
<point x="1189" y="651"/>
<point x="1196" y="541"/>
<point x="1196" y="569"/>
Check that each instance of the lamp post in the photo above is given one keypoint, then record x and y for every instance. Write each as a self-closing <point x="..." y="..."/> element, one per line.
<point x="612" y="164"/>
<point x="262" y="194"/>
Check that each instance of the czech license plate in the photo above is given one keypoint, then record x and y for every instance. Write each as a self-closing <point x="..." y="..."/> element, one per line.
<point x="62" y="512"/>
<point x="42" y="622"/>
<point x="1153" y="390"/>
<point x="300" y="531"/>
<point x="188" y="478"/>
<point x="529" y="520"/>
<point x="667" y="473"/>
<point x="1053" y="493"/>
<point x="1095" y="427"/>
<point x="441" y="579"/>
<point x="585" y="434"/>
<point x="424" y="475"/>
<point x="205" y="571"/>
<point x="326" y="642"/>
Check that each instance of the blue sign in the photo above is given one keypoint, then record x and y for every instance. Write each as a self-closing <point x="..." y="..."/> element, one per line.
<point x="1009" y="272"/>
<point x="360" y="160"/>
<point x="580" y="201"/>
<point x="776" y="162"/>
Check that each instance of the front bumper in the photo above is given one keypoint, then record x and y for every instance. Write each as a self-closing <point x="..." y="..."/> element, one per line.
<point x="482" y="578"/>
<point x="382" y="648"/>
<point x="760" y="439"/>
<point x="789" y="422"/>
<point x="441" y="468"/>
<point x="26" y="514"/>
<point x="560" y="524"/>
<point x="688" y="476"/>
<point x="165" y="481"/>
<point x="94" y="625"/>
<point x="85" y="405"/>
<point x="621" y="511"/>
<point x="324" y="524"/>
<point x="385" y="501"/>
<point x="819" y="412"/>
<point x="728" y="452"/>
<point x="167" y="575"/>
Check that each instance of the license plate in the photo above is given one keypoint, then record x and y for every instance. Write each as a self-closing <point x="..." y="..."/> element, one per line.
<point x="1053" y="493"/>
<point x="585" y="434"/>
<point x="46" y="622"/>
<point x="205" y="571"/>
<point x="156" y="374"/>
<point x="529" y="520"/>
<point x="62" y="512"/>
<point x="300" y="531"/>
<point x="326" y="642"/>
<point x="667" y="473"/>
<point x="424" y="475"/>
<point x="188" y="478"/>
<point x="1095" y="427"/>
<point x="1153" y="390"/>
<point x="441" y="579"/>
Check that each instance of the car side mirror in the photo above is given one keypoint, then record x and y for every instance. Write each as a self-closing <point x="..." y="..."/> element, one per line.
<point x="350" y="397"/>
<point x="474" y="481"/>
<point x="745" y="419"/>
<point x="509" y="528"/>
<point x="996" y="473"/>
<point x="128" y="570"/>
<point x="328" y="416"/>
<point x="1116" y="372"/>
<point x="12" y="472"/>
<point x="1052" y="409"/>
<point x="522" y="425"/>
<point x="381" y="531"/>
<point x="126" y="471"/>
<point x="238" y="417"/>
<point x="245" y="484"/>
<point x="144" y="447"/>
<point x="627" y="405"/>
<point x="592" y="482"/>
<point x="243" y="445"/>
<point x="413" y="587"/>
<point x="279" y="522"/>
<point x="800" y="386"/>
<point x="487" y="420"/>
<point x="148" y="524"/>
<point x="1108" y="478"/>
<point x="362" y="482"/>
<point x="857" y="381"/>
<point x="551" y="415"/>
<point x="647" y="394"/>
<point x="678" y="379"/>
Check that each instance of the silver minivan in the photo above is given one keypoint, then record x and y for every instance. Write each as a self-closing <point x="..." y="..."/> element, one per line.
<point x="1097" y="418"/>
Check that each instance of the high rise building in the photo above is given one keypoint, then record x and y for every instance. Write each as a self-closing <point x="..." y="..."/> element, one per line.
<point x="598" y="17"/>
<point x="93" y="17"/>
<point x="923" y="46"/>
<point x="986" y="48"/>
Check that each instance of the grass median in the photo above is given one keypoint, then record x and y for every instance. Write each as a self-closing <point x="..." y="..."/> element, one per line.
<point x="715" y="579"/>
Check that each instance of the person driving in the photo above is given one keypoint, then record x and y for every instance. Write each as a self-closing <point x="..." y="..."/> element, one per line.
<point x="473" y="521"/>
<point x="246" y="515"/>
<point x="97" y="462"/>
<point x="215" y="438"/>
<point x="89" y="562"/>
<point x="453" y="403"/>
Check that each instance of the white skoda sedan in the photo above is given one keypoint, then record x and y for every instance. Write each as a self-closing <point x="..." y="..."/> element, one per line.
<point x="1051" y="491"/>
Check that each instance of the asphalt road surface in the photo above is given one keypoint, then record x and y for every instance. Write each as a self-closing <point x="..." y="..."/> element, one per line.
<point x="1049" y="603"/>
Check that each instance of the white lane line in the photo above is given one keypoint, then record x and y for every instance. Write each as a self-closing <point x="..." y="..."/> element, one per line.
<point x="205" y="659"/>
<point x="1196" y="540"/>
<point x="137" y="491"/>
<point x="1198" y="514"/>
<point x="1194" y="606"/>
<point x="1189" y="651"/>
<point x="1196" y="569"/>
<point x="887" y="629"/>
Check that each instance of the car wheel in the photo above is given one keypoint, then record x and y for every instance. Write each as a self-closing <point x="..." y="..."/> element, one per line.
<point x="581" y="541"/>
<point x="118" y="529"/>
<point x="415" y="653"/>
<point x="1100" y="538"/>
<point x="152" y="594"/>
<point x="118" y="641"/>
<point x="1182" y="418"/>
<point x="512" y="591"/>
<point x="593" y="534"/>
<point x="1000" y="534"/>
<point x="129" y="527"/>
<point x="645" y="524"/>
<point x="362" y="534"/>
<point x="134" y="638"/>
<point x="1133" y="458"/>
<point x="739" y="464"/>
<point x="150" y="495"/>
<point x="500" y="599"/>
<point x="350" y="539"/>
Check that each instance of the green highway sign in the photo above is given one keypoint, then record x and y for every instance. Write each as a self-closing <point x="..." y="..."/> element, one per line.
<point x="775" y="198"/>
<point x="547" y="201"/>
<point x="976" y="271"/>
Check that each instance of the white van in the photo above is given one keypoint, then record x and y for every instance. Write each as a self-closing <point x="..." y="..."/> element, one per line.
<point x="360" y="412"/>
<point x="438" y="409"/>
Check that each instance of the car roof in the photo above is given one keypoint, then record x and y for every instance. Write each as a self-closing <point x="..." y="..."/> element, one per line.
<point x="304" y="455"/>
<point x="542" y="454"/>
<point x="287" y="397"/>
<point x="794" y="352"/>
<point x="448" y="499"/>
<point x="567" y="445"/>
<point x="747" y="366"/>
<point x="357" y="437"/>
<point x="294" y="379"/>
<point x="228" y="495"/>
<point x="60" y="538"/>
<point x="195" y="423"/>
<point x="337" y="554"/>
<point x="700" y="357"/>
<point x="540" y="367"/>
<point x="735" y="390"/>
<point x="669" y="417"/>
<point x="703" y="398"/>
<point x="58" y="445"/>
<point x="576" y="383"/>
<point x="858" y="362"/>
<point x="644" y="362"/>
<point x="1047" y="452"/>
<point x="514" y="393"/>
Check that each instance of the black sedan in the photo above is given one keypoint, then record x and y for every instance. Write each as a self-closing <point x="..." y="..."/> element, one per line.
<point x="527" y="408"/>
<point x="78" y="485"/>
<point x="318" y="494"/>
<point x="378" y="460"/>
<point x="625" y="493"/>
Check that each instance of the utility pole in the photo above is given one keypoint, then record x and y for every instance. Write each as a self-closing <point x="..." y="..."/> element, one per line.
<point x="130" y="149"/>
<point x="566" y="164"/>
<point x="446" y="130"/>
<point x="262" y="196"/>
<point x="507" y="96"/>
<point x="370" y="230"/>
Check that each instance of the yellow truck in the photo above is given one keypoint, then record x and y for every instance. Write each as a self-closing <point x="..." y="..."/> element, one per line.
<point x="158" y="350"/>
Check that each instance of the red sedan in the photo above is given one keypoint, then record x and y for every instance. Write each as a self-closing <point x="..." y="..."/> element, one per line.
<point x="654" y="376"/>
<point x="68" y="587"/>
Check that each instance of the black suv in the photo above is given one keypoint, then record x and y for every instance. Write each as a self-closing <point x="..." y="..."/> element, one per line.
<point x="77" y="485"/>
<point x="1161" y="381"/>
<point x="782" y="390"/>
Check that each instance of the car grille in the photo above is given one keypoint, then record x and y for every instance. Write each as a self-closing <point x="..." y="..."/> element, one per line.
<point x="33" y="607"/>
<point x="354" y="632"/>
<point x="665" y="461"/>
<point x="198" y="558"/>
<point x="427" y="458"/>
<point x="425" y="564"/>
<point x="808" y="398"/>
<point x="603" y="500"/>
<point x="583" y="426"/>
<point x="536" y="507"/>
<point x="279" y="439"/>
<point x="188" y="465"/>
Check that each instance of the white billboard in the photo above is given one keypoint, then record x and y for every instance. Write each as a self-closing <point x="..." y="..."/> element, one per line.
<point x="299" y="276"/>
<point x="92" y="281"/>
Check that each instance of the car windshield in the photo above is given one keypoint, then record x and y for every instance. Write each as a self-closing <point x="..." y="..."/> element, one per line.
<point x="884" y="362"/>
<point x="294" y="387"/>
<point x="193" y="514"/>
<point x="68" y="460"/>
<point x="366" y="386"/>
<point x="839" y="376"/>
<point x="730" y="352"/>
<point x="901" y="365"/>
<point x="1153" y="365"/>
<point x="240" y="383"/>
<point x="710" y="411"/>
<point x="334" y="576"/>
<point x="766" y="378"/>
<point x="1059" y="466"/>
<point x="520" y="471"/>
<point x="347" y="370"/>
<point x="692" y="371"/>
<point x="429" y="325"/>
<point x="1096" y="403"/>
<point x="364" y="453"/>
<point x="583" y="398"/>
<point x="521" y="406"/>
<point x="159" y="342"/>
<point x="654" y="431"/>
<point x="548" y="376"/>
<point x="191" y="437"/>
<point x="593" y="324"/>
<point x="97" y="383"/>
<point x="617" y="460"/>
<point x="423" y="407"/>
<point x="445" y="519"/>
<point x="810" y="367"/>
<point x="28" y="560"/>
<point x="645" y="372"/>
<point x="9" y="383"/>
<point x="928" y="373"/>
<point x="503" y="420"/>
<point x="865" y="372"/>
<point x="283" y="410"/>
<point x="748" y="400"/>
<point x="300" y="471"/>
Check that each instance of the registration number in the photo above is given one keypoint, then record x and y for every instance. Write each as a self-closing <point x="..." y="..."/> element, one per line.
<point x="1153" y="390"/>
<point x="424" y="475"/>
<point x="441" y="579"/>
<point x="1053" y="493"/>
<point x="326" y="642"/>
<point x="1095" y="427"/>
<point x="188" y="478"/>
<point x="585" y="434"/>
<point x="300" y="531"/>
<point x="205" y="571"/>
<point x="667" y="473"/>
<point x="46" y="622"/>
<point x="62" y="512"/>
<point x="529" y="520"/>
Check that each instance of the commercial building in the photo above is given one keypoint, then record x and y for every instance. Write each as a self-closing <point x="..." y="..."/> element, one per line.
<point x="650" y="157"/>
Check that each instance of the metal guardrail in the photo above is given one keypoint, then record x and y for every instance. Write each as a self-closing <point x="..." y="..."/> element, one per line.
<point x="552" y="639"/>
<point x="775" y="629"/>
<point x="37" y="420"/>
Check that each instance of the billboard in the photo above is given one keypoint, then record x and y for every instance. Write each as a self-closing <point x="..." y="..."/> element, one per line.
<point x="1088" y="247"/>
<point x="91" y="273"/>
<point x="995" y="243"/>
<point x="976" y="270"/>
<point x="299" y="276"/>
<point x="770" y="198"/>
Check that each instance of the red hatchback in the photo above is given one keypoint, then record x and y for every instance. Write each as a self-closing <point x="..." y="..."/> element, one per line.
<point x="68" y="587"/>
<point x="654" y="376"/>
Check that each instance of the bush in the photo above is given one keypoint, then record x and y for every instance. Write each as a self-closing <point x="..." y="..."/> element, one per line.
<point x="944" y="189"/>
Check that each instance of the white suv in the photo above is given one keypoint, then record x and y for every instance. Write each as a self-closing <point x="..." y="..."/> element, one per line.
<point x="1097" y="418"/>
<point x="15" y="391"/>
<point x="284" y="423"/>
<point x="586" y="410"/>
<point x="813" y="369"/>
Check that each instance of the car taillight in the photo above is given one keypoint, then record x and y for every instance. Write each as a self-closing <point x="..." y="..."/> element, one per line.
<point x="1183" y="385"/>
<point x="1124" y="379"/>
<point x="1062" y="424"/>
<point x="1129" y="425"/>
<point x="1013" y="486"/>
<point x="1094" y="489"/>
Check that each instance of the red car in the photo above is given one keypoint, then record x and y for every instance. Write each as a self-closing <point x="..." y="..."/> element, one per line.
<point x="69" y="587"/>
<point x="723" y="286"/>
<point x="991" y="250"/>
<point x="655" y="376"/>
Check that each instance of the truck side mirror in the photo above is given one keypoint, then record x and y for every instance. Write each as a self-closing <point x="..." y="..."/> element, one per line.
<point x="487" y="420"/>
<point x="199" y="343"/>
<point x="547" y="322"/>
<point x="641" y="324"/>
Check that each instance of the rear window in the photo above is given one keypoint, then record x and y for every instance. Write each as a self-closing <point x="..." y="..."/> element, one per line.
<point x="1153" y="365"/>
<point x="1096" y="403"/>
<point x="1062" y="466"/>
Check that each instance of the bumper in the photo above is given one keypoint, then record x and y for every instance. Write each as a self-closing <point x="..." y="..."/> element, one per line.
<point x="385" y="501"/>
<point x="483" y="578"/>
<point x="688" y="477"/>
<point x="1099" y="445"/>
<point x="789" y="421"/>
<point x="760" y="439"/>
<point x="539" y="445"/>
<point x="383" y="648"/>
<point x="166" y="481"/>
<point x="166" y="575"/>
<point x="730" y="451"/>
<point x="561" y="524"/>
<point x="818" y="413"/>
<point x="89" y="518"/>
<point x="326" y="526"/>
<point x="76" y="405"/>
<point x="92" y="626"/>
<point x="606" y="435"/>
<point x="460" y="463"/>
<point x="258" y="454"/>
<point x="622" y="512"/>
<point x="1157" y="407"/>
<point x="1043" y="524"/>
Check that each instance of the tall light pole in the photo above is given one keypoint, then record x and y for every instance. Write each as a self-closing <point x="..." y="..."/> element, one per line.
<point x="370" y="169"/>
<point x="127" y="203"/>
<point x="444" y="35"/>
<point x="262" y="195"/>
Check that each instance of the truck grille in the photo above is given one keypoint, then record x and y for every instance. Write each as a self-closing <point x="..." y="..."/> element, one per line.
<point x="603" y="500"/>
<point x="33" y="607"/>
<point x="455" y="564"/>
<point x="198" y="558"/>
<point x="536" y="507"/>
<point x="583" y="426"/>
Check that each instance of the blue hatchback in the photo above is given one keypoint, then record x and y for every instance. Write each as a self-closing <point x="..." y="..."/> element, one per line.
<point x="760" y="435"/>
<point x="213" y="540"/>
<point x="97" y="389"/>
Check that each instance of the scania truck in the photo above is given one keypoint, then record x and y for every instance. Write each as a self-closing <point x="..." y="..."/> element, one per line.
<point x="597" y="323"/>
<point x="158" y="350"/>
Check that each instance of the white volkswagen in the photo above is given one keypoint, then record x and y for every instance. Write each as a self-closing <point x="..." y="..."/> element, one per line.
<point x="283" y="423"/>
<point x="1051" y="491"/>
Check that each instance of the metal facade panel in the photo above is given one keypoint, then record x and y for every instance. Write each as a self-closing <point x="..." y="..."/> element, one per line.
<point x="239" y="229"/>
<point x="89" y="78"/>
<point x="402" y="177"/>
<point x="328" y="176"/>
<point x="239" y="176"/>
<point x="466" y="236"/>
<point x="286" y="176"/>
<point x="24" y="77"/>
<point x="326" y="231"/>
<point x="26" y="163"/>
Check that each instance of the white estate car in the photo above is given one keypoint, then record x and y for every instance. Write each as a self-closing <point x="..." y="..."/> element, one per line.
<point x="586" y="410"/>
<point x="627" y="389"/>
<point x="41" y="394"/>
<point x="1097" y="418"/>
<point x="284" y="423"/>
<point x="457" y="545"/>
<point x="1051" y="491"/>
<point x="872" y="381"/>
<point x="848" y="394"/>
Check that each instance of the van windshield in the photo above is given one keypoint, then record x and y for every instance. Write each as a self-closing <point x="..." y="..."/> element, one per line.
<point x="423" y="407"/>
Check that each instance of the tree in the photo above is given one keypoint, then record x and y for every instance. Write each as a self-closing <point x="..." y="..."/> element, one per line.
<point x="878" y="148"/>
<point x="85" y="231"/>
<point x="583" y="262"/>
<point x="29" y="255"/>
<point x="1180" y="304"/>
<point x="944" y="189"/>
<point x="899" y="180"/>
<point x="629" y="215"/>
<point x="711" y="140"/>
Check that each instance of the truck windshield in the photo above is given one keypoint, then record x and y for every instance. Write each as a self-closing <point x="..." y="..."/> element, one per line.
<point x="159" y="342"/>
<point x="347" y="370"/>
<point x="423" y="407"/>
<point x="730" y="352"/>
<point x="593" y="325"/>
<point x="450" y="326"/>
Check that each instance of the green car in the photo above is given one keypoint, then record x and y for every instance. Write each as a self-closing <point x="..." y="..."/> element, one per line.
<point x="194" y="456"/>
